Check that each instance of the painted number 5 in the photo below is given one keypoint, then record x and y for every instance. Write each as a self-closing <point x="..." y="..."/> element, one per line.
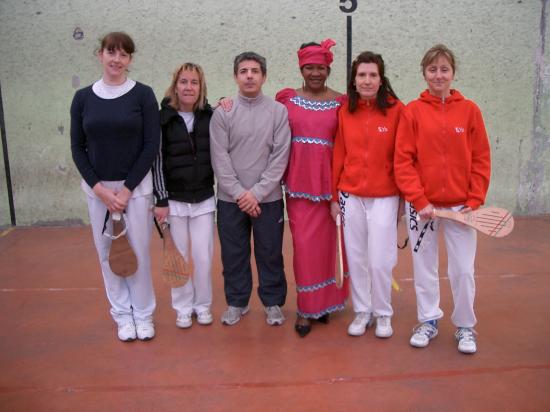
<point x="348" y="8"/>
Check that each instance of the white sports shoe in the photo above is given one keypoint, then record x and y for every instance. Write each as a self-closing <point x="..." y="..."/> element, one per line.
<point x="466" y="340"/>
<point x="423" y="333"/>
<point x="205" y="317"/>
<point x="145" y="329"/>
<point x="360" y="324"/>
<point x="274" y="315"/>
<point x="383" y="327"/>
<point x="233" y="314"/>
<point x="184" y="320"/>
<point x="127" y="330"/>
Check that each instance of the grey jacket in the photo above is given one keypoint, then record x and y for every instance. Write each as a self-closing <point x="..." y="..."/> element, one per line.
<point x="249" y="147"/>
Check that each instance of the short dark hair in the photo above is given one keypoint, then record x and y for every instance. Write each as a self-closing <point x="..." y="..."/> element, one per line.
<point x="250" y="56"/>
<point x="117" y="40"/>
<point x="385" y="90"/>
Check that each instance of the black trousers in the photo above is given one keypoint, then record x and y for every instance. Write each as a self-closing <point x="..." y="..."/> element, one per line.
<point x="234" y="229"/>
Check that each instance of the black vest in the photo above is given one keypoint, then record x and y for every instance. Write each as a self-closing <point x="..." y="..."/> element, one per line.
<point x="186" y="156"/>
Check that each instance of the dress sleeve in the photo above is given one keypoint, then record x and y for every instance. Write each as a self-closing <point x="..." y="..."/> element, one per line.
<point x="226" y="175"/>
<point x="79" y="142"/>
<point x="342" y="99"/>
<point x="278" y="158"/>
<point x="159" y="183"/>
<point x="283" y="96"/>
<point x="406" y="176"/>
<point x="151" y="138"/>
<point x="481" y="161"/>
<point x="338" y="155"/>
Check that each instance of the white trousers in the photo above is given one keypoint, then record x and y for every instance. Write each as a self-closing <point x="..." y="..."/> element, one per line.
<point x="370" y="234"/>
<point x="196" y="233"/>
<point x="132" y="295"/>
<point x="460" y="241"/>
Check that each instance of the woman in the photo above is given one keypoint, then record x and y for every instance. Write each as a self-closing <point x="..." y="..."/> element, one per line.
<point x="183" y="183"/>
<point x="114" y="140"/>
<point x="312" y="114"/>
<point x="362" y="171"/>
<point x="442" y="160"/>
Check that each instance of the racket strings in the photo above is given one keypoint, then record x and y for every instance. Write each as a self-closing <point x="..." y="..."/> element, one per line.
<point x="176" y="269"/>
<point x="494" y="222"/>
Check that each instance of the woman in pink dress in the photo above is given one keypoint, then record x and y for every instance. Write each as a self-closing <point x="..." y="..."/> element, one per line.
<point x="312" y="114"/>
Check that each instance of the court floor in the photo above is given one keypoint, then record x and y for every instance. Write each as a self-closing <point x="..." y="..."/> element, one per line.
<point x="59" y="351"/>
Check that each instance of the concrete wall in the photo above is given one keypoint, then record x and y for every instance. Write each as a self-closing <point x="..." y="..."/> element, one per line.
<point x="503" y="66"/>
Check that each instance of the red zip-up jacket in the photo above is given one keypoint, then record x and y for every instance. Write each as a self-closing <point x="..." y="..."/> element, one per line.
<point x="442" y="153"/>
<point x="362" y="159"/>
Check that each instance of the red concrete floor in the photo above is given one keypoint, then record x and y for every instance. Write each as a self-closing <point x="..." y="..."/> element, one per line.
<point x="59" y="351"/>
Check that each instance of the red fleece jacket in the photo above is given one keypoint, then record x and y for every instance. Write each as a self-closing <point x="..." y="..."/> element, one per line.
<point x="362" y="160"/>
<point x="442" y="153"/>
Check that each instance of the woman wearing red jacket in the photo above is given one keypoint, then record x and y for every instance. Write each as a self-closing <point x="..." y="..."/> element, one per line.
<point x="362" y="173"/>
<point x="442" y="160"/>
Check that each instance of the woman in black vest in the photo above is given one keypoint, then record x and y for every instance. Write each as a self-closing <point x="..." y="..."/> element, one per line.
<point x="183" y="183"/>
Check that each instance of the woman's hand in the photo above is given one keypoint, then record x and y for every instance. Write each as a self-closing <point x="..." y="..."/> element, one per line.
<point x="400" y="209"/>
<point x="107" y="196"/>
<point x="334" y="210"/>
<point x="427" y="213"/>
<point x="122" y="199"/>
<point x="466" y="209"/>
<point x="161" y="214"/>
<point x="226" y="103"/>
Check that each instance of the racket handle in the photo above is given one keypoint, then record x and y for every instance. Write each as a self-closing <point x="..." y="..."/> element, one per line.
<point x="395" y="285"/>
<point x="340" y="275"/>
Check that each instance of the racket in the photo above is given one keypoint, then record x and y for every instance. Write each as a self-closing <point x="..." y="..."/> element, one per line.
<point x="395" y="285"/>
<point x="492" y="221"/>
<point x="340" y="271"/>
<point x="122" y="259"/>
<point x="176" y="271"/>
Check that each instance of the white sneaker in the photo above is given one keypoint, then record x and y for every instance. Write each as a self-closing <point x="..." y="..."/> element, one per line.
<point x="145" y="329"/>
<point x="274" y="315"/>
<point x="205" y="317"/>
<point x="466" y="340"/>
<point x="184" y="320"/>
<point x="423" y="333"/>
<point x="383" y="327"/>
<point x="127" y="330"/>
<point x="233" y="314"/>
<point x="360" y="324"/>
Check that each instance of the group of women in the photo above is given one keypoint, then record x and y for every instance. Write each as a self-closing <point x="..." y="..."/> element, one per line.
<point x="355" y="155"/>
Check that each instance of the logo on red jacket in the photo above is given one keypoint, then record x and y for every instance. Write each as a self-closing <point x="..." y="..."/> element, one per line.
<point x="382" y="129"/>
<point x="459" y="129"/>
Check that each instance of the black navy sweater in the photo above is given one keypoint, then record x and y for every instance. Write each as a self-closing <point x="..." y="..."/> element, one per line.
<point x="183" y="170"/>
<point x="115" y="139"/>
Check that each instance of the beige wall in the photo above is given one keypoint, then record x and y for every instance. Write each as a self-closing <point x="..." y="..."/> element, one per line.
<point x="499" y="44"/>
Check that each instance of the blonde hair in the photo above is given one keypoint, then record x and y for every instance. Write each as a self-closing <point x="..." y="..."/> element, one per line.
<point x="171" y="91"/>
<point x="435" y="52"/>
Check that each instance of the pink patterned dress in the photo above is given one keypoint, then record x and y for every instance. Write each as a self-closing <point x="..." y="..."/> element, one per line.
<point x="307" y="184"/>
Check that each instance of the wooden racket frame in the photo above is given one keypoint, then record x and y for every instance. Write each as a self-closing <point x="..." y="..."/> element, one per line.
<point x="340" y="272"/>
<point x="492" y="221"/>
<point x="122" y="259"/>
<point x="176" y="270"/>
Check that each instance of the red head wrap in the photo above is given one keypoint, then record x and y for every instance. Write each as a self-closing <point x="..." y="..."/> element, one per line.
<point x="317" y="54"/>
